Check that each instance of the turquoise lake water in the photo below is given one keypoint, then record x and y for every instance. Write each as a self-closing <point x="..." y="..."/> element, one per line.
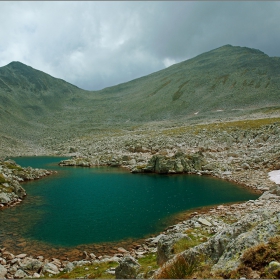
<point x="91" y="205"/>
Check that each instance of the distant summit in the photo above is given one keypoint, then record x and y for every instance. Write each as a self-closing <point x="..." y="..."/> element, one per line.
<point x="238" y="49"/>
<point x="17" y="64"/>
<point x="17" y="76"/>
<point x="222" y="83"/>
<point x="20" y="67"/>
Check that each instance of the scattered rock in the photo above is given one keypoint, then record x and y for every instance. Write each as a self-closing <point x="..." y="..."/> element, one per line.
<point x="30" y="265"/>
<point x="50" y="268"/>
<point x="245" y="166"/>
<point x="3" y="272"/>
<point x="21" y="256"/>
<point x="127" y="269"/>
<point x="69" y="267"/>
<point x="122" y="250"/>
<point x="4" y="198"/>
<point x="204" y="222"/>
<point x="92" y="256"/>
<point x="274" y="265"/>
<point x="36" y="275"/>
<point x="165" y="246"/>
<point x="20" y="274"/>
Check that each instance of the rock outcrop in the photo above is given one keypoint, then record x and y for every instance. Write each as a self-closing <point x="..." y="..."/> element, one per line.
<point x="257" y="224"/>
<point x="11" y="174"/>
<point x="240" y="151"/>
<point x="165" y="250"/>
<point x="128" y="268"/>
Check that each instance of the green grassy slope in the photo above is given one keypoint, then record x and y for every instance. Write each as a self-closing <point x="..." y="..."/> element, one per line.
<point x="227" y="78"/>
<point x="225" y="82"/>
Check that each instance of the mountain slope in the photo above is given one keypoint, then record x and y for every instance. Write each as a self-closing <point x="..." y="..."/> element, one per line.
<point x="28" y="98"/>
<point x="225" y="82"/>
<point x="32" y="92"/>
<point x="226" y="78"/>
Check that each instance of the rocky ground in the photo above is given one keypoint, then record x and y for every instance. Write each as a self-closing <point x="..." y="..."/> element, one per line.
<point x="222" y="236"/>
<point x="11" y="174"/>
<point x="242" y="151"/>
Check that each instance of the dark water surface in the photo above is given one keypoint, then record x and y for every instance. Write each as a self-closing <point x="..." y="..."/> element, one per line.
<point x="94" y="205"/>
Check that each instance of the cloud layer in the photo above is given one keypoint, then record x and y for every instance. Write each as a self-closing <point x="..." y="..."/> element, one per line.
<point x="99" y="44"/>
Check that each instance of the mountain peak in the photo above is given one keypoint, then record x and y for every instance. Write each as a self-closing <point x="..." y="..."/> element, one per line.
<point x="17" y="65"/>
<point x="19" y="76"/>
<point x="238" y="49"/>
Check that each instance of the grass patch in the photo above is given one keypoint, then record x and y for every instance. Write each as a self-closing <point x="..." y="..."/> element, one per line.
<point x="269" y="110"/>
<point x="179" y="269"/>
<point x="148" y="263"/>
<point x="224" y="126"/>
<point x="196" y="267"/>
<point x="91" y="271"/>
<point x="246" y="124"/>
<point x="256" y="260"/>
<point x="6" y="189"/>
<point x="203" y="272"/>
<point x="185" y="244"/>
<point x="262" y="254"/>
<point x="201" y="236"/>
<point x="12" y="166"/>
<point x="2" y="179"/>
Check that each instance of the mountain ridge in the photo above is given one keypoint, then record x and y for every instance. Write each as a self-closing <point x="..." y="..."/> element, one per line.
<point x="17" y="65"/>
<point x="24" y="69"/>
<point x="222" y="83"/>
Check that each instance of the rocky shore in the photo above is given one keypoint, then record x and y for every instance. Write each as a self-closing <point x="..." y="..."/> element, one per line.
<point x="243" y="152"/>
<point x="11" y="174"/>
<point x="222" y="233"/>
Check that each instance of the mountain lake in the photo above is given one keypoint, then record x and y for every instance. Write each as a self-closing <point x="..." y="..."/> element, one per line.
<point x="79" y="206"/>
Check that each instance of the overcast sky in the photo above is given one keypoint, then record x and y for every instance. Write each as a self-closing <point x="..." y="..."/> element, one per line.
<point x="99" y="44"/>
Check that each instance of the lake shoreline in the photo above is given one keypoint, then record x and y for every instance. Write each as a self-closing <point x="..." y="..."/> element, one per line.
<point x="128" y="244"/>
<point x="73" y="253"/>
<point x="169" y="221"/>
<point x="244" y="156"/>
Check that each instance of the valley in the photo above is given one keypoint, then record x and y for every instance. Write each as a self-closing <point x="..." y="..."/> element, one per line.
<point x="217" y="114"/>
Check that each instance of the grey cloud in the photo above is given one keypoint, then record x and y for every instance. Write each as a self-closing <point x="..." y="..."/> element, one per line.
<point x="194" y="28"/>
<point x="99" y="44"/>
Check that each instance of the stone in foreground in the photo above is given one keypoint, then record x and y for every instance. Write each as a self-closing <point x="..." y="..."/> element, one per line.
<point x="128" y="268"/>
